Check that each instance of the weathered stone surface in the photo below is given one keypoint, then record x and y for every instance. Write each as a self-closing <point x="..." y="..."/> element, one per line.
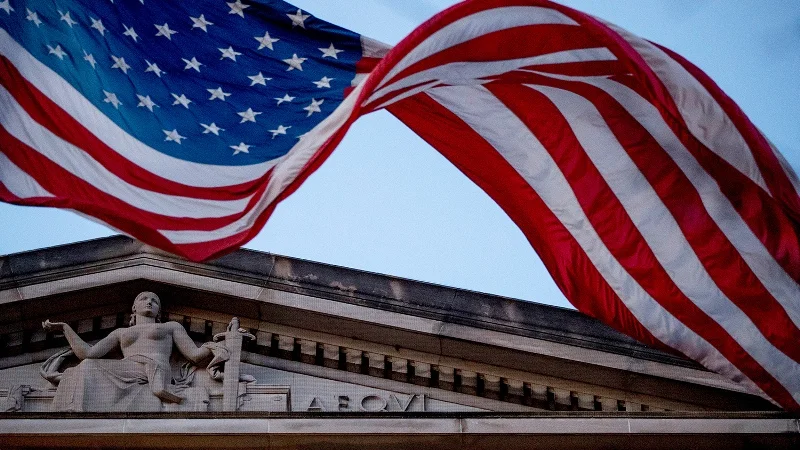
<point x="37" y="261"/>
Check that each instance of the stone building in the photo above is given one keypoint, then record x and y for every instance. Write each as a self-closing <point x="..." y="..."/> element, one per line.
<point x="328" y="357"/>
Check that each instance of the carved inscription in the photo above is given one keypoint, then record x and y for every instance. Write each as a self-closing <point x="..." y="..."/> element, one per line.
<point x="368" y="403"/>
<point x="373" y="403"/>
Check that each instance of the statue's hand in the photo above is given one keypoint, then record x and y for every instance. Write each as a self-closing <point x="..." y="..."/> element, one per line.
<point x="53" y="326"/>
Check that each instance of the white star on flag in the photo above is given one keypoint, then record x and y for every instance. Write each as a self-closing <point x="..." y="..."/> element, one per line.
<point x="181" y="100"/>
<point x="163" y="30"/>
<point x="173" y="136"/>
<point x="323" y="82"/>
<point x="280" y="130"/>
<point x="6" y="6"/>
<point x="241" y="148"/>
<point x="218" y="94"/>
<point x="248" y="116"/>
<point x="192" y="64"/>
<point x="88" y="57"/>
<point x="314" y="106"/>
<point x="56" y="51"/>
<point x="97" y="24"/>
<point x="64" y="16"/>
<point x="298" y="19"/>
<point x="146" y="102"/>
<point x="330" y="51"/>
<point x="200" y="22"/>
<point x="258" y="79"/>
<point x="153" y="67"/>
<point x="237" y="8"/>
<point x="119" y="63"/>
<point x="33" y="17"/>
<point x="213" y="128"/>
<point x="285" y="98"/>
<point x="295" y="63"/>
<point x="229" y="53"/>
<point x="265" y="41"/>
<point x="112" y="98"/>
<point x="130" y="32"/>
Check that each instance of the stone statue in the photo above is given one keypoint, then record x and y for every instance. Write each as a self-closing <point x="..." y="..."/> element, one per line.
<point x="142" y="379"/>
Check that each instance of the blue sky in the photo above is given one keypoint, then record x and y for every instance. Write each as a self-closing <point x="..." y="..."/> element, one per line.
<point x="387" y="202"/>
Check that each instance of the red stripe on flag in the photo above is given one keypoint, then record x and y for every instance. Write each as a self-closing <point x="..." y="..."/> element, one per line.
<point x="366" y="64"/>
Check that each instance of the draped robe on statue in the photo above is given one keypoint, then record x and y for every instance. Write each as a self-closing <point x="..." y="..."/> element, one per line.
<point x="132" y="383"/>
<point x="127" y="384"/>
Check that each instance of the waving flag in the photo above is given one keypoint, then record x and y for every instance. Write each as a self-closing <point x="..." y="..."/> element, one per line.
<point x="179" y="123"/>
<point x="654" y="202"/>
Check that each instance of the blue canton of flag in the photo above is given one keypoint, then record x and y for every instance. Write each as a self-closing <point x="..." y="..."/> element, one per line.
<point x="224" y="83"/>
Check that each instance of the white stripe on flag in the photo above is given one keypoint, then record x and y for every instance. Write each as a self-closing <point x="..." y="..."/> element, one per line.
<point x="787" y="168"/>
<point x="372" y="48"/>
<point x="18" y="182"/>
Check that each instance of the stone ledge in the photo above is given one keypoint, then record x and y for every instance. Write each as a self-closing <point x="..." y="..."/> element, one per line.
<point x="395" y="423"/>
<point x="326" y="431"/>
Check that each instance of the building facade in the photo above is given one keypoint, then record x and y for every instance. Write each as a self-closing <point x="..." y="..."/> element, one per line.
<point x="308" y="355"/>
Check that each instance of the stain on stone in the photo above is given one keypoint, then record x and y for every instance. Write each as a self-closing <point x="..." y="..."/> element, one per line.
<point x="5" y="268"/>
<point x="338" y="285"/>
<point x="398" y="290"/>
<point x="283" y="269"/>
<point x="513" y="313"/>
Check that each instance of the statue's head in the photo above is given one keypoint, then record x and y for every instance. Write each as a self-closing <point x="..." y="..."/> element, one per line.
<point x="146" y="304"/>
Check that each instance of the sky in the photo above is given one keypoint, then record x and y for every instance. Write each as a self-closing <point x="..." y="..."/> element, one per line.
<point x="387" y="202"/>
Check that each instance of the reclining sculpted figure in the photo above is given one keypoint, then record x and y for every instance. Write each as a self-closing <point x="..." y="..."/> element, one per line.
<point x="142" y="379"/>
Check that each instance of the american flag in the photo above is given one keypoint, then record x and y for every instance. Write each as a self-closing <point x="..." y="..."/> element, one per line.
<point x="179" y="123"/>
<point x="657" y="206"/>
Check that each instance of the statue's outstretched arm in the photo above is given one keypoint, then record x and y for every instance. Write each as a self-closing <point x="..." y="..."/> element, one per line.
<point x="81" y="349"/>
<point x="186" y="345"/>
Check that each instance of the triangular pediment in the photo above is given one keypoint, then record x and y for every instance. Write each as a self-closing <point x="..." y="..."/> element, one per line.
<point x="336" y="335"/>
